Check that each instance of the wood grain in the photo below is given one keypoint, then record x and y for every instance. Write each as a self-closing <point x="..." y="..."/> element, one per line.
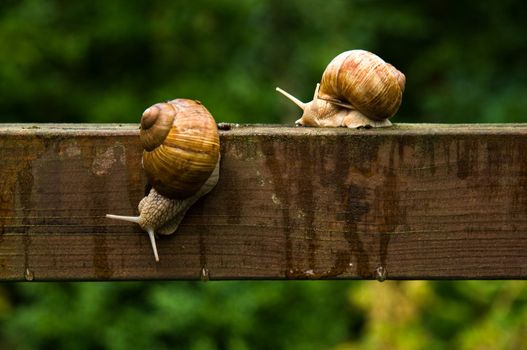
<point x="409" y="202"/>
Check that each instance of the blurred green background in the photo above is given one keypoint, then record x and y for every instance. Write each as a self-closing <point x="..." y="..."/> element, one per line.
<point x="105" y="61"/>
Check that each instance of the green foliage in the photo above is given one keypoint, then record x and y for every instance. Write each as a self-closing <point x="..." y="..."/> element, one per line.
<point x="265" y="315"/>
<point x="105" y="61"/>
<point x="226" y="315"/>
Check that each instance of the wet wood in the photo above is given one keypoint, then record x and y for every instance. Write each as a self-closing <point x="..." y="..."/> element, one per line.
<point x="409" y="202"/>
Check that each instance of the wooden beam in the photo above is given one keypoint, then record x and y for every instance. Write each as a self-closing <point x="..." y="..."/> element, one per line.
<point x="408" y="202"/>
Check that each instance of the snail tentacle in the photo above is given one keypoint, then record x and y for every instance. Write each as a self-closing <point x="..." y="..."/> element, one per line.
<point x="150" y="232"/>
<point x="295" y="100"/>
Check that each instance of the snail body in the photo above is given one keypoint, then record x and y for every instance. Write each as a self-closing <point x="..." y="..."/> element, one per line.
<point x="181" y="160"/>
<point x="357" y="89"/>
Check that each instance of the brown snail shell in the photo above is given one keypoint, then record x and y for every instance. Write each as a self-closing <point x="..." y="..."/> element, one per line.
<point x="357" y="89"/>
<point x="363" y="80"/>
<point x="182" y="145"/>
<point x="181" y="161"/>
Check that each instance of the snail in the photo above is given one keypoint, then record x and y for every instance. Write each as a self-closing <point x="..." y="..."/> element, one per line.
<point x="358" y="89"/>
<point x="181" y="160"/>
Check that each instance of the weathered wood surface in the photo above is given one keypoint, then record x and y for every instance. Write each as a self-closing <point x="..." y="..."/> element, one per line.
<point x="413" y="201"/>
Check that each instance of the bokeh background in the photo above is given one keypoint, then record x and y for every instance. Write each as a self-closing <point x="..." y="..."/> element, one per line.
<point x="105" y="61"/>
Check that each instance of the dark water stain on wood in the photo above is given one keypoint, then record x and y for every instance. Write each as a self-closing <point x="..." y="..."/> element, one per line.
<point x="495" y="157"/>
<point x="428" y="154"/>
<point x="18" y="183"/>
<point x="358" y="161"/>
<point x="25" y="183"/>
<point x="98" y="205"/>
<point x="17" y="154"/>
<point x="25" y="188"/>
<point x="391" y="213"/>
<point x="467" y="153"/>
<point x="100" y="256"/>
<point x="446" y="155"/>
<point x="230" y="179"/>
<point x="357" y="208"/>
<point x="519" y="195"/>
<point x="340" y="267"/>
<point x="276" y="164"/>
<point x="202" y="250"/>
<point x="307" y="175"/>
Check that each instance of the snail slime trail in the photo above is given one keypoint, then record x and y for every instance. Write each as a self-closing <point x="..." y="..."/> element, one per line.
<point x="358" y="89"/>
<point x="181" y="160"/>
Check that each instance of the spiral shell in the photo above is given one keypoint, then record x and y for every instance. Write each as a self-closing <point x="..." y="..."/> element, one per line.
<point x="181" y="146"/>
<point x="364" y="81"/>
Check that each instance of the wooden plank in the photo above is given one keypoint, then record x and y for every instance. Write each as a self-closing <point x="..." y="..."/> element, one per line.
<point x="413" y="201"/>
